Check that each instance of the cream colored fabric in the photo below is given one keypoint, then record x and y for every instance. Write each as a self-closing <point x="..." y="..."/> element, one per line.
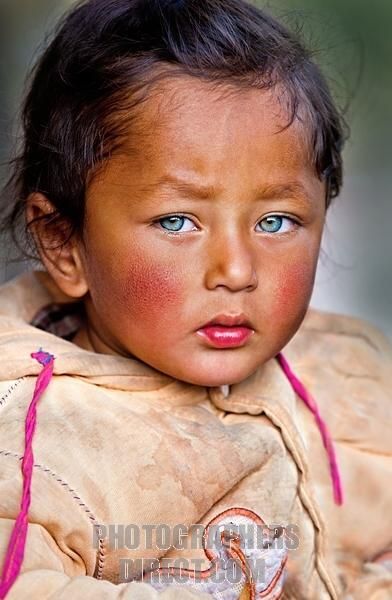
<point x="117" y="442"/>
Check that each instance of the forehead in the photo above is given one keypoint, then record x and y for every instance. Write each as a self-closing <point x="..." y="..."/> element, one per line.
<point x="192" y="116"/>
<point x="220" y="135"/>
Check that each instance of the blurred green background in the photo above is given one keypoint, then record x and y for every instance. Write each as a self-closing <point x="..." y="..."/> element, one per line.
<point x="351" y="40"/>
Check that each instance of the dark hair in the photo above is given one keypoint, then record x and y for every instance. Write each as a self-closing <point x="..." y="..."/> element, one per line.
<point x="101" y="62"/>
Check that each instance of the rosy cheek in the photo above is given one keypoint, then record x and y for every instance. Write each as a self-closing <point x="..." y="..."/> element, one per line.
<point x="149" y="291"/>
<point x="293" y="286"/>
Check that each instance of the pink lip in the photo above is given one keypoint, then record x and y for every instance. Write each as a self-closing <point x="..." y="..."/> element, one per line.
<point x="219" y="336"/>
<point x="227" y="320"/>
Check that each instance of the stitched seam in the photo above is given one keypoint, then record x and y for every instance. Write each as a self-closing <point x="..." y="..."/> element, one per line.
<point x="308" y="504"/>
<point x="8" y="393"/>
<point x="352" y="445"/>
<point x="99" y="565"/>
<point x="355" y="334"/>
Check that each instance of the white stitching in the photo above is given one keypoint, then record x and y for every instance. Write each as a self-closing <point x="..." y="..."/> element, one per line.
<point x="100" y="553"/>
<point x="10" y="390"/>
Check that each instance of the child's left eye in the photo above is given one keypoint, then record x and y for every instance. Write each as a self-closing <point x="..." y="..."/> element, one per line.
<point x="274" y="224"/>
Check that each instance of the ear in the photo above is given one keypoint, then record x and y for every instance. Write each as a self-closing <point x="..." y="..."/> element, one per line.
<point x="61" y="255"/>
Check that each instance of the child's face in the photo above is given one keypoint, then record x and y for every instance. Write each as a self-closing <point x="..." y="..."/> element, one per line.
<point x="150" y="291"/>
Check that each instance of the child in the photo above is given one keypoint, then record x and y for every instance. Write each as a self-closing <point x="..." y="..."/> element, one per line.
<point x="178" y="163"/>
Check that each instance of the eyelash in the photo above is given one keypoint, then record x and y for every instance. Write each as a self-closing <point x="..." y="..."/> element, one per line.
<point x="181" y="216"/>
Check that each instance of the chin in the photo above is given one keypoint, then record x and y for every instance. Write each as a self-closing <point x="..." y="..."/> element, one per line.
<point x="216" y="378"/>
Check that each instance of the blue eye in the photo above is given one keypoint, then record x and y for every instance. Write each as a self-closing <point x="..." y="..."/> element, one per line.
<point x="274" y="223"/>
<point x="174" y="223"/>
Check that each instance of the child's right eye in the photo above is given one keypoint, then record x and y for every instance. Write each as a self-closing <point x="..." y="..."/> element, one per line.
<point x="174" y="223"/>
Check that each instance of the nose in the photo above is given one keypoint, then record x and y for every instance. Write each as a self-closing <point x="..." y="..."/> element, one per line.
<point x="231" y="263"/>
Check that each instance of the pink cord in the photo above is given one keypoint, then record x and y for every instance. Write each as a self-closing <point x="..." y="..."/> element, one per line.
<point x="15" y="551"/>
<point x="300" y="389"/>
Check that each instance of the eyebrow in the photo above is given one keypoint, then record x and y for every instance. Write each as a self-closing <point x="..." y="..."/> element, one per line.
<point x="206" y="192"/>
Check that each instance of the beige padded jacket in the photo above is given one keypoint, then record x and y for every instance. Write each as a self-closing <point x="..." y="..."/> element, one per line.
<point x="119" y="443"/>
